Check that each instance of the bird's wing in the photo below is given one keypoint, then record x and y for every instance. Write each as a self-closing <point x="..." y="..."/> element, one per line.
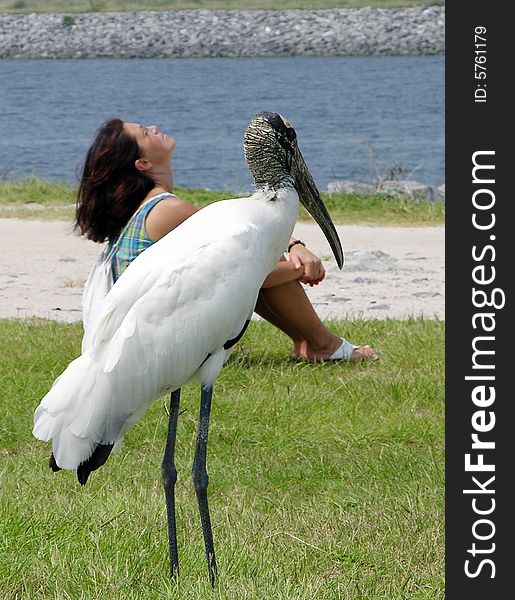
<point x="178" y="302"/>
<point x="176" y="258"/>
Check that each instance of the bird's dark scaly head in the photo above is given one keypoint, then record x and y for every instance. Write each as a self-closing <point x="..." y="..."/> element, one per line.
<point x="270" y="145"/>
<point x="273" y="156"/>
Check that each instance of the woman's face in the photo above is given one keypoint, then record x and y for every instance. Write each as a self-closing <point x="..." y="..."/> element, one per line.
<point x="156" y="147"/>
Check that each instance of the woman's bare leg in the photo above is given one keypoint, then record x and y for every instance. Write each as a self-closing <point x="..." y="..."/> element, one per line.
<point x="289" y="309"/>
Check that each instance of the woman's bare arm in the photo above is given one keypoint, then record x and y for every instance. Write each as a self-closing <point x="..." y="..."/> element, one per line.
<point x="167" y="215"/>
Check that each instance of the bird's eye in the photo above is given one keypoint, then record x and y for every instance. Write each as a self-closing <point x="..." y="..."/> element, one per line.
<point x="290" y="134"/>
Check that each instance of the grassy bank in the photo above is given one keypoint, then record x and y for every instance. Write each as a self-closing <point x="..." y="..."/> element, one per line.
<point x="326" y="481"/>
<point x="34" y="198"/>
<point x="71" y="6"/>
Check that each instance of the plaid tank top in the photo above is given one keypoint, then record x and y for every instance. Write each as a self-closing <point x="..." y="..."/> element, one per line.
<point x="134" y="238"/>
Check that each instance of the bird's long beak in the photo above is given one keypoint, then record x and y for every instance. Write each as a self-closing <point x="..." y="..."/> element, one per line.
<point x="311" y="200"/>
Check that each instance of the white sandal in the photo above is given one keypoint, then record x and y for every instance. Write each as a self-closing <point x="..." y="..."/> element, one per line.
<point x="346" y="350"/>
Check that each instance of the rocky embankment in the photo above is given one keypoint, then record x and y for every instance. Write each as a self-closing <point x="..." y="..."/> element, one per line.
<point x="398" y="188"/>
<point x="211" y="33"/>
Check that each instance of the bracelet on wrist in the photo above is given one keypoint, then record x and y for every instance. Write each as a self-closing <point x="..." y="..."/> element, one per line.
<point x="291" y="244"/>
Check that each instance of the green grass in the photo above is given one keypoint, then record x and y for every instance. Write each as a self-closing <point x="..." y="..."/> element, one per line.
<point x="72" y="6"/>
<point x="326" y="481"/>
<point x="57" y="201"/>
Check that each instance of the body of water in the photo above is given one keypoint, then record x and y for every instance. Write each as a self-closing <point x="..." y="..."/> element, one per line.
<point x="356" y="117"/>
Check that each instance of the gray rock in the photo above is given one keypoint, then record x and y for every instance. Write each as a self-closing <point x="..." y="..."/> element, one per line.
<point x="412" y="190"/>
<point x="351" y="187"/>
<point x="231" y="33"/>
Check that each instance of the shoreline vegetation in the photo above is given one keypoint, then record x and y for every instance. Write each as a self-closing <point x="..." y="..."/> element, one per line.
<point x="83" y="6"/>
<point x="34" y="198"/>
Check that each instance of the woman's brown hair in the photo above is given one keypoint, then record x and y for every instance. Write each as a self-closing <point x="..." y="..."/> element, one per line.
<point x="111" y="188"/>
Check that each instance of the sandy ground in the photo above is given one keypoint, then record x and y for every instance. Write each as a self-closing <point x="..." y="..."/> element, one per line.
<point x="390" y="271"/>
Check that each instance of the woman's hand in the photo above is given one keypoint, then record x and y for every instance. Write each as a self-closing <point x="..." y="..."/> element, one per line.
<point x="301" y="257"/>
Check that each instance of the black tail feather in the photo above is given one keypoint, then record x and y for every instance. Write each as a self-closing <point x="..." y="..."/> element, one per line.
<point x="52" y="464"/>
<point x="96" y="460"/>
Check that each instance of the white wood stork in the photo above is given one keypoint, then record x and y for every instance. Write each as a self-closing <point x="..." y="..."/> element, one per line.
<point x="175" y="313"/>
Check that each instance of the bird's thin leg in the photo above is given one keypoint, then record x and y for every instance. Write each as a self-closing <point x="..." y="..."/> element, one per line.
<point x="169" y="473"/>
<point x="200" y="479"/>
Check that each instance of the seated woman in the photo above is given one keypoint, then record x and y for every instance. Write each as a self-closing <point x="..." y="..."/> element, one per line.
<point x="126" y="192"/>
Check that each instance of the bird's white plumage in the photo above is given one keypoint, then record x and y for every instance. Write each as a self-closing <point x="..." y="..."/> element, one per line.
<point x="178" y="302"/>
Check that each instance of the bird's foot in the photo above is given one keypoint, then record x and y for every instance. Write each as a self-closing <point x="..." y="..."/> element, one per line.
<point x="344" y="351"/>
